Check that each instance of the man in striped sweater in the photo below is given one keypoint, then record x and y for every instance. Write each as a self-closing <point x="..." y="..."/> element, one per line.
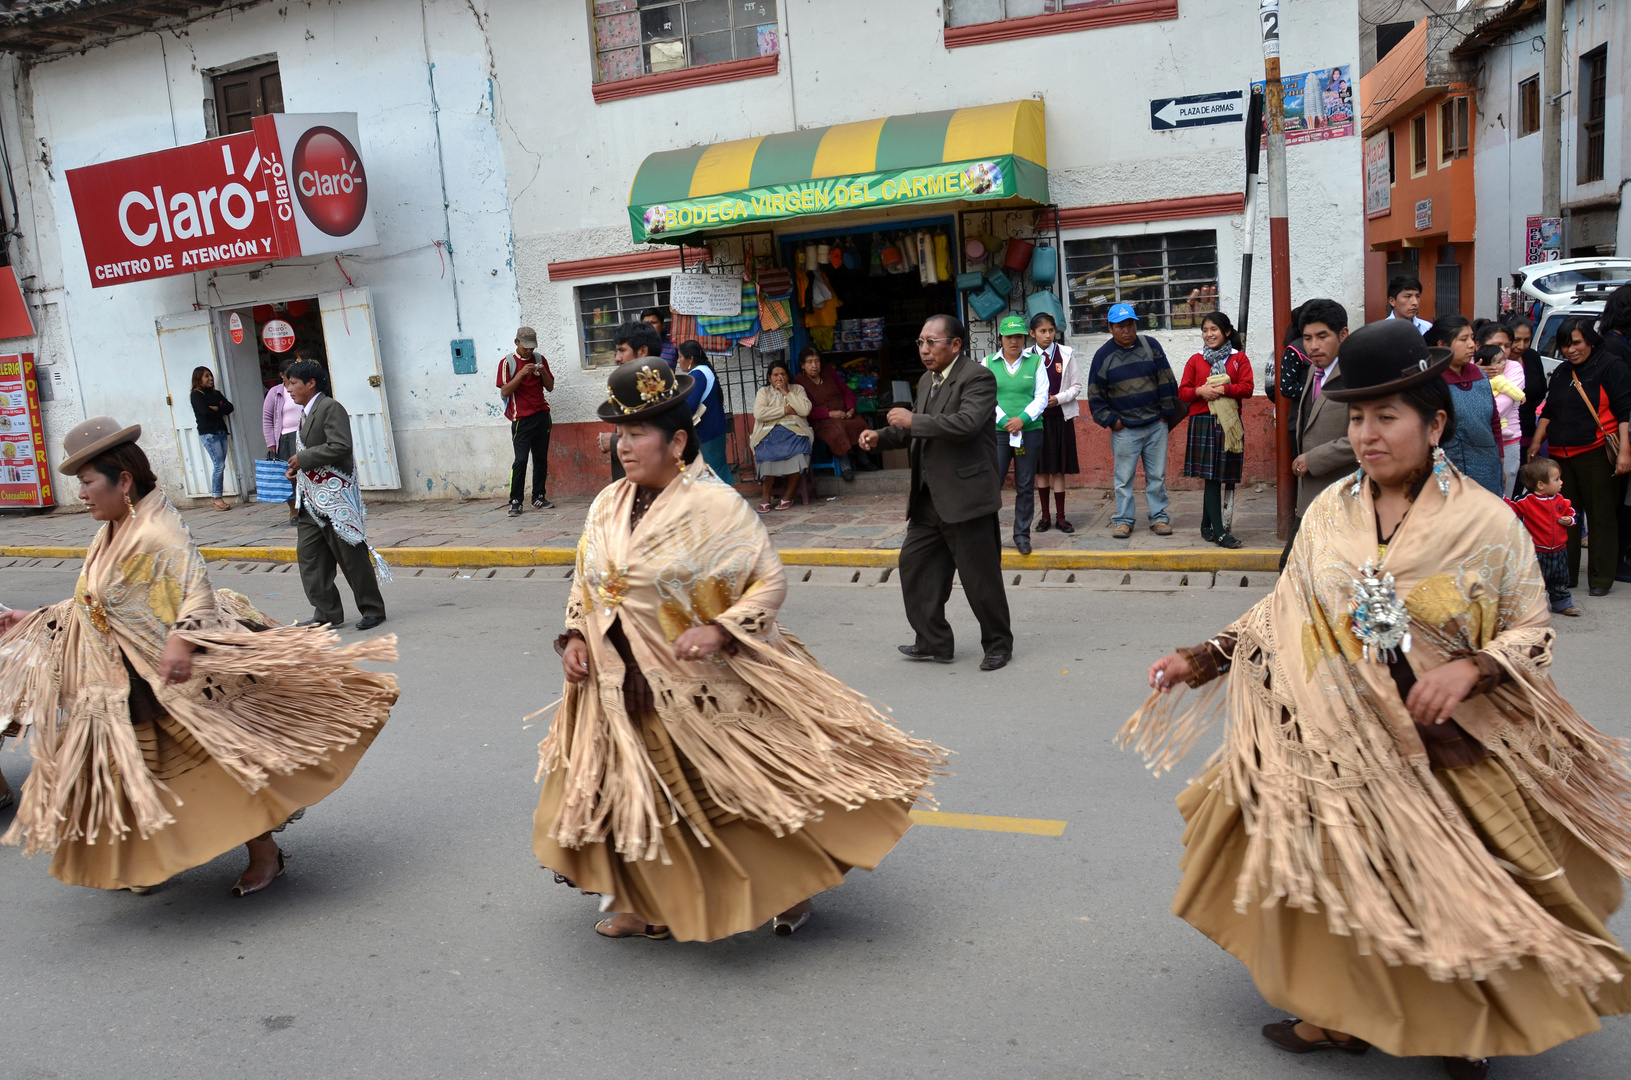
<point x="1131" y="391"/>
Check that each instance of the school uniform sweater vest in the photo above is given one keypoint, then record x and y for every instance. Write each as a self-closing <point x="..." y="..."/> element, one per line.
<point x="1015" y="392"/>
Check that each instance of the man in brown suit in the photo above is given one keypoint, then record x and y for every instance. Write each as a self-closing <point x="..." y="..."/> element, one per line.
<point x="955" y="496"/>
<point x="1324" y="454"/>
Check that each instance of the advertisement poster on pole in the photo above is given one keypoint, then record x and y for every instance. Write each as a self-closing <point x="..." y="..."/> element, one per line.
<point x="1378" y="184"/>
<point x="25" y="479"/>
<point x="1543" y="239"/>
<point x="1319" y="105"/>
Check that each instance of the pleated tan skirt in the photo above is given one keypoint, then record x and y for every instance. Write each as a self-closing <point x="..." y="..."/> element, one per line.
<point x="1300" y="967"/>
<point x="213" y="812"/>
<point x="745" y="875"/>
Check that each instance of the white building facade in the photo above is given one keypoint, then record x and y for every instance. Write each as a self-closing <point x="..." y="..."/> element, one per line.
<point x="1509" y="52"/>
<point x="502" y="141"/>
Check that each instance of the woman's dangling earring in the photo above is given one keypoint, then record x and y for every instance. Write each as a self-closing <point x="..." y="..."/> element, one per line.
<point x="1359" y="478"/>
<point x="679" y="463"/>
<point x="1441" y="468"/>
<point x="130" y="507"/>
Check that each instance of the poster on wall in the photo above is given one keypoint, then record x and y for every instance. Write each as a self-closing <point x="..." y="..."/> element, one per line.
<point x="1378" y="183"/>
<point x="1319" y="105"/>
<point x="25" y="479"/>
<point x="1543" y="240"/>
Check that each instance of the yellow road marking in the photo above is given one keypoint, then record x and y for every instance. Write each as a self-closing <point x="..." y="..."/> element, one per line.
<point x="984" y="823"/>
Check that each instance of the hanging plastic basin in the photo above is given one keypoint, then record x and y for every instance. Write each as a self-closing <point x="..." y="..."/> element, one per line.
<point x="974" y="249"/>
<point x="1017" y="254"/>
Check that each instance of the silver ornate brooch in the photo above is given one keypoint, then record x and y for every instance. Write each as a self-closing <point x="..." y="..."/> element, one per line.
<point x="1380" y="620"/>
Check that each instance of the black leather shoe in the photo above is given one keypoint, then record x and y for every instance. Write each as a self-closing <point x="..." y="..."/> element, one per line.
<point x="1598" y="592"/>
<point x="846" y="472"/>
<point x="1042" y="525"/>
<point x="995" y="660"/>
<point x="1022" y="546"/>
<point x="368" y="622"/>
<point x="912" y="652"/>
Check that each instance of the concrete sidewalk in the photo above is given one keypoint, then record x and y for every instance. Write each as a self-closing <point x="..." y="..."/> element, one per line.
<point x="856" y="529"/>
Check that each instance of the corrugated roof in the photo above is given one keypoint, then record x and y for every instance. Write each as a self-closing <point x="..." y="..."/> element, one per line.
<point x="1514" y="15"/>
<point x="33" y="26"/>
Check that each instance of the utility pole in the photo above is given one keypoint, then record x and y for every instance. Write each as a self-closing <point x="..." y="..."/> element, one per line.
<point x="1551" y="149"/>
<point x="1285" y="485"/>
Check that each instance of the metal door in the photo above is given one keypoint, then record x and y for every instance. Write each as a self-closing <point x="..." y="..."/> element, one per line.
<point x="354" y="369"/>
<point x="186" y="341"/>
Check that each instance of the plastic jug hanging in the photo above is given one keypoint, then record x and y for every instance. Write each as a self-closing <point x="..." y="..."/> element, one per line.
<point x="1044" y="266"/>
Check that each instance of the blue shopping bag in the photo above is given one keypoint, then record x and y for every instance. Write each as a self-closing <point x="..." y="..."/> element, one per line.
<point x="271" y="485"/>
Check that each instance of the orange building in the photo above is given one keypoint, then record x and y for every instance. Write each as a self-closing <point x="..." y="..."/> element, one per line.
<point x="1417" y="118"/>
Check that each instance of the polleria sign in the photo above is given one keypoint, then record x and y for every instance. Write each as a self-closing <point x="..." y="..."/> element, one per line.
<point x="294" y="185"/>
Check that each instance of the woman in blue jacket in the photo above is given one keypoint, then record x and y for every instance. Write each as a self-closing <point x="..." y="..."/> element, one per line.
<point x="705" y="390"/>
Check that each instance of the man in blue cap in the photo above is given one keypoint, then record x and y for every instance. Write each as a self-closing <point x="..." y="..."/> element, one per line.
<point x="1131" y="391"/>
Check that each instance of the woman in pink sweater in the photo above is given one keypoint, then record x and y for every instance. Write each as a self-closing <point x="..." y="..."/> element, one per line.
<point x="1506" y="378"/>
<point x="280" y="419"/>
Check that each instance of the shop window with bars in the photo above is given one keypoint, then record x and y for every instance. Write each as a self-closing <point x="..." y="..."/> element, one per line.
<point x="649" y="37"/>
<point x="602" y="308"/>
<point x="1593" y="112"/>
<point x="1171" y="279"/>
<point x="1529" y="106"/>
<point x="973" y="12"/>
<point x="1454" y="129"/>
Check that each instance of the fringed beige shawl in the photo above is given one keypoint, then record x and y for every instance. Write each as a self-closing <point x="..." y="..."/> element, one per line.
<point x="771" y="733"/>
<point x="270" y="702"/>
<point x="1332" y="779"/>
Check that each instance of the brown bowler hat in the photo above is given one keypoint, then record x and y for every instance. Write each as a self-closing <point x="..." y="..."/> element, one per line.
<point x="92" y="437"/>
<point x="1383" y="358"/>
<point x="641" y="388"/>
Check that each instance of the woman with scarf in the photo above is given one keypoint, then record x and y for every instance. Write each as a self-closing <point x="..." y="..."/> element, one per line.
<point x="782" y="437"/>
<point x="170" y="721"/>
<point x="1058" y="457"/>
<point x="1409" y="838"/>
<point x="1475" y="447"/>
<point x="1507" y="383"/>
<point x="1216" y="381"/>
<point x="703" y="774"/>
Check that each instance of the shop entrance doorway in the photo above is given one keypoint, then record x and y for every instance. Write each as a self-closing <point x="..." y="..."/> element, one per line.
<point x="886" y="279"/>
<point x="338" y="331"/>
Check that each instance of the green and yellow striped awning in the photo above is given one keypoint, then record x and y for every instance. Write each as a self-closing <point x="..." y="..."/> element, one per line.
<point x="981" y="153"/>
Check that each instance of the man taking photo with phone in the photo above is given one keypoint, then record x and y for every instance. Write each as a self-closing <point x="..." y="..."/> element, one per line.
<point x="523" y="379"/>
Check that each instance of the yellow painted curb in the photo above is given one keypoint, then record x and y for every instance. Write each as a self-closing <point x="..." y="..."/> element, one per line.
<point x="985" y="823"/>
<point x="1169" y="560"/>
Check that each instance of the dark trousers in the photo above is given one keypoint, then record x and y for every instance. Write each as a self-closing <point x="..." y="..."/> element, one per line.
<point x="320" y="552"/>
<point x="1554" y="568"/>
<point x="933" y="551"/>
<point x="1024" y="477"/>
<point x="1588" y="484"/>
<point x="530" y="436"/>
<point x="1285" y="555"/>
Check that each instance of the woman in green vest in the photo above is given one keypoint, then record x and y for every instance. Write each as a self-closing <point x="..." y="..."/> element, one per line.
<point x="1022" y="395"/>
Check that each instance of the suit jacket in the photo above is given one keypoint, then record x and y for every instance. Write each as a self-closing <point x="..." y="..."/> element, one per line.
<point x="326" y="432"/>
<point x="953" y="443"/>
<point x="1322" y="434"/>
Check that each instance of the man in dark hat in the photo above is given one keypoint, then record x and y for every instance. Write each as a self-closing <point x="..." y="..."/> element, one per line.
<point x="955" y="496"/>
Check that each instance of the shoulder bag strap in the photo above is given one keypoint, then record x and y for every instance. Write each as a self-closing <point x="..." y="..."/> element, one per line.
<point x="1610" y="439"/>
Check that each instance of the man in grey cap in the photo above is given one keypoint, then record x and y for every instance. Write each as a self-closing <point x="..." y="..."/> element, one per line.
<point x="523" y="379"/>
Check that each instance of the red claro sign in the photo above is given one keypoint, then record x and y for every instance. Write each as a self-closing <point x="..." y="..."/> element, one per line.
<point x="278" y="335"/>
<point x="235" y="327"/>
<point x="329" y="181"/>
<point x="225" y="201"/>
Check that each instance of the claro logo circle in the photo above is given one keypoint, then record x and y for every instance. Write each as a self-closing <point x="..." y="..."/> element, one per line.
<point x="329" y="181"/>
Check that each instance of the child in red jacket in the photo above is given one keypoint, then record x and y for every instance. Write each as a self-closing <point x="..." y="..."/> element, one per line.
<point x="1547" y="515"/>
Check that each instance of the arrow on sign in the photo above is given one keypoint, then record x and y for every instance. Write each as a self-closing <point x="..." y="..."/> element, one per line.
<point x="1197" y="110"/>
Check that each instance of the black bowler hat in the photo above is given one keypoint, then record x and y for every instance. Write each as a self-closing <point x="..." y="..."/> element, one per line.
<point x="643" y="388"/>
<point x="1383" y="358"/>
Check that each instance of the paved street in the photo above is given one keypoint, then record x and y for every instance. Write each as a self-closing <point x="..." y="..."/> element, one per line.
<point x="415" y="937"/>
<point x="850" y="519"/>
